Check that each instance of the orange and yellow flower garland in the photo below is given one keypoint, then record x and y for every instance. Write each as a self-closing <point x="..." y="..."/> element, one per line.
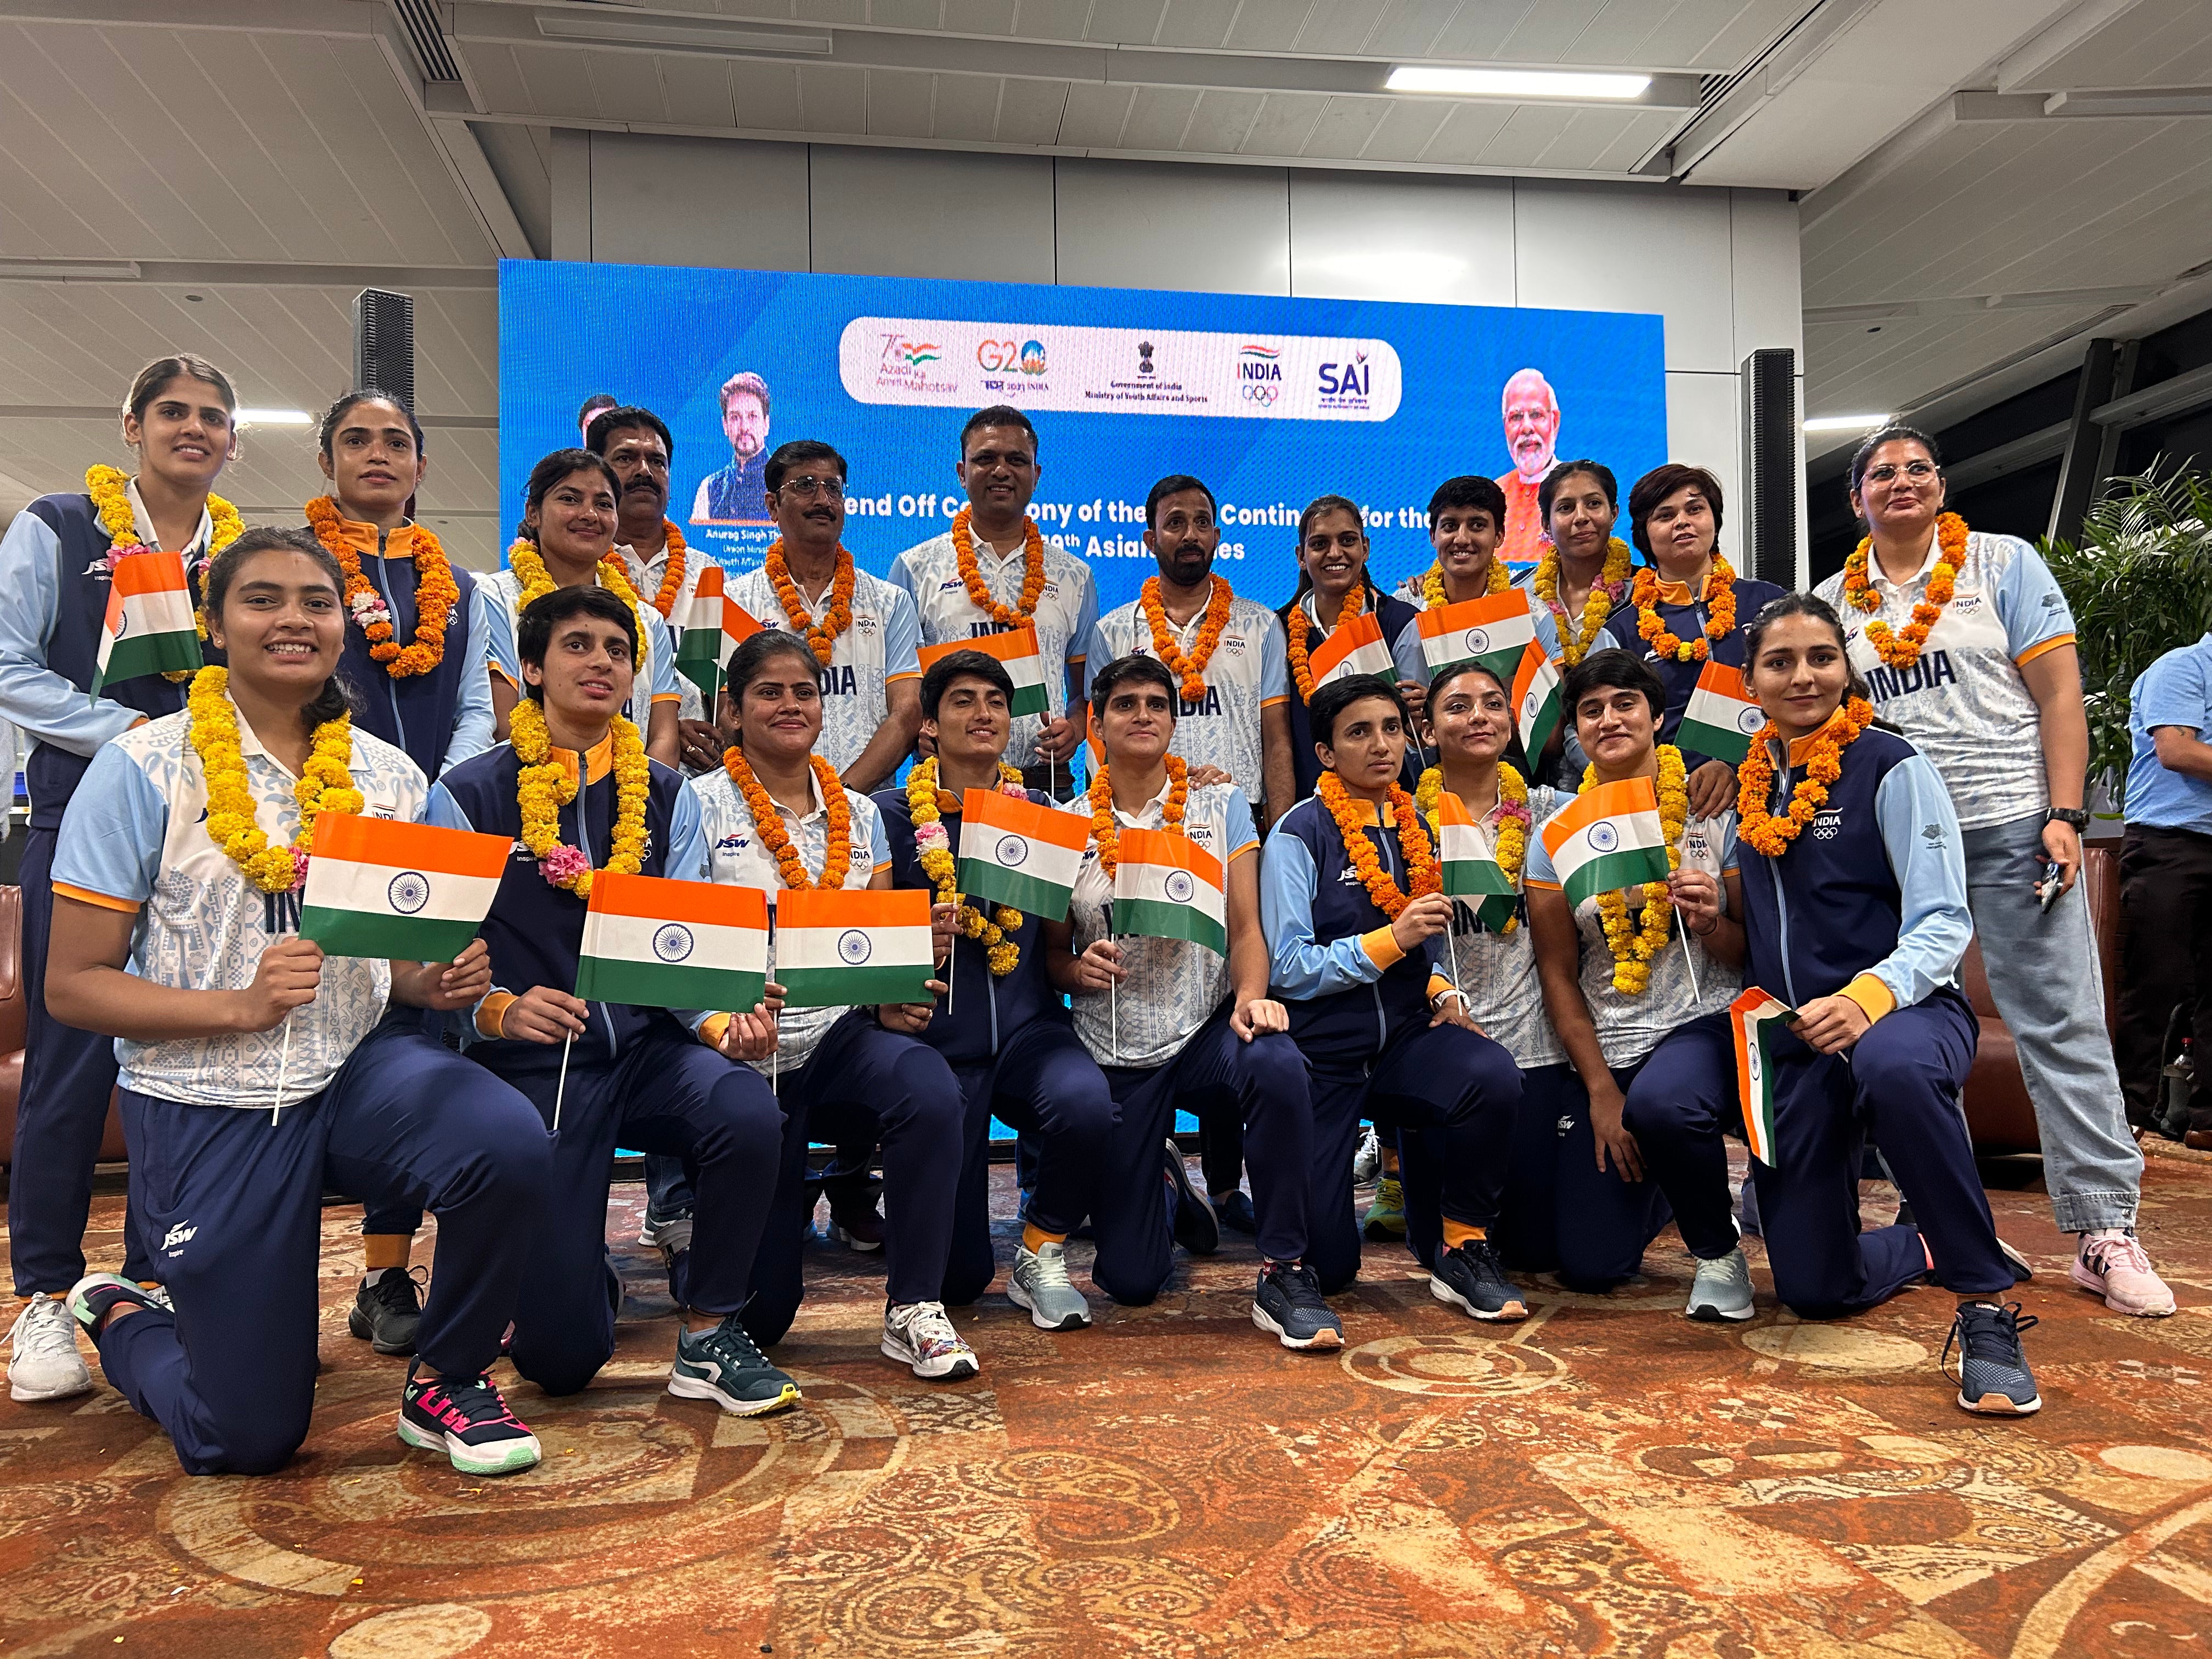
<point x="1299" y="629"/>
<point x="436" y="593"/>
<point x="1432" y="583"/>
<point x="1633" y="948"/>
<point x="1189" y="670"/>
<point x="927" y="805"/>
<point x="529" y="565"/>
<point x="1510" y="844"/>
<point x="544" y="785"/>
<point x="1605" y="592"/>
<point x="1423" y="876"/>
<point x="325" y="784"/>
<point x="672" y="573"/>
<point x="821" y="636"/>
<point x="1105" y="829"/>
<point x="837" y="857"/>
<point x="1902" y="649"/>
<point x="110" y="492"/>
<point x="964" y="554"/>
<point x="1719" y="597"/>
<point x="1770" y="833"/>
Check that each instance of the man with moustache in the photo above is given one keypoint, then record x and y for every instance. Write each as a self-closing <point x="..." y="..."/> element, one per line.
<point x="1531" y="414"/>
<point x="733" y="496"/>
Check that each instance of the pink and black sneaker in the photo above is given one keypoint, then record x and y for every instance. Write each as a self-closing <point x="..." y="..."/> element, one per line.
<point x="465" y="1418"/>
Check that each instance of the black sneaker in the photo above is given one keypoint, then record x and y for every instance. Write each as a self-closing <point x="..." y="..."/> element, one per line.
<point x="723" y="1364"/>
<point x="1288" y="1302"/>
<point x="387" y="1314"/>
<point x="1993" y="1377"/>
<point x="1471" y="1276"/>
<point x="1196" y="1228"/>
<point x="465" y="1418"/>
<point x="1234" y="1211"/>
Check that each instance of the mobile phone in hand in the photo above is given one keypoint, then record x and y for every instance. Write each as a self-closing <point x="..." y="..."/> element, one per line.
<point x="2048" y="890"/>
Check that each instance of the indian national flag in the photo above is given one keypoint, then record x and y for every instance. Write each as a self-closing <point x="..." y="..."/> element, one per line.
<point x="1015" y="852"/>
<point x="1167" y="886"/>
<point x="149" y="621"/>
<point x="710" y="628"/>
<point x="661" y="943"/>
<point x="1492" y="631"/>
<point x="1758" y="1020"/>
<point x="1017" y="653"/>
<point x="1608" y="839"/>
<point x="1535" y="699"/>
<point x="1355" y="647"/>
<point x="415" y="892"/>
<point x="1722" y="718"/>
<point x="843" y="946"/>
<point x="1471" y="870"/>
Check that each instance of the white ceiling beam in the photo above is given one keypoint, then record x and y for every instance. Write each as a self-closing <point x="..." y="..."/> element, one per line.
<point x="347" y="18"/>
<point x="465" y="162"/>
<point x="191" y="273"/>
<point x="1763" y="81"/>
<point x="2028" y="62"/>
<point x="1965" y="305"/>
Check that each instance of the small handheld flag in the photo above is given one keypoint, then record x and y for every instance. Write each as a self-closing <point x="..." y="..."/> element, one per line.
<point x="414" y="893"/>
<point x="1015" y="852"/>
<point x="1018" y="653"/>
<point x="656" y="943"/>
<point x="1471" y="870"/>
<point x="1758" y="1019"/>
<point x="713" y="624"/>
<point x="1606" y="839"/>
<point x="1167" y="886"/>
<point x="1355" y="647"/>
<point x="149" y="628"/>
<point x="1492" y="631"/>
<point x="1535" y="690"/>
<point x="834" y="947"/>
<point x="1721" y="718"/>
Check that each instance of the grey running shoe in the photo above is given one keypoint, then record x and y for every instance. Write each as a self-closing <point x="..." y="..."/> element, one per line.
<point x="1367" y="1162"/>
<point x="1196" y="1227"/>
<point x="45" y="1364"/>
<point x="1472" y="1276"/>
<point x="666" y="1232"/>
<point x="1288" y="1302"/>
<point x="1039" y="1283"/>
<point x="1993" y="1377"/>
<point x="723" y="1364"/>
<point x="920" y="1337"/>
<point x="1722" y="1289"/>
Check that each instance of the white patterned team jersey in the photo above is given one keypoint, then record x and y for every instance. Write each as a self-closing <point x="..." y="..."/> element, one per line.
<point x="1497" y="971"/>
<point x="736" y="858"/>
<point x="1174" y="986"/>
<point x="502" y="591"/>
<point x="1066" y="610"/>
<point x="1246" y="673"/>
<point x="1964" y="704"/>
<point x="1630" y="1028"/>
<point x="135" y="839"/>
<point x="879" y="648"/>
<point x="645" y="576"/>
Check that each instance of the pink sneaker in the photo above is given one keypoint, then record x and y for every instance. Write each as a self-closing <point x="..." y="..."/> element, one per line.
<point x="2112" y="1265"/>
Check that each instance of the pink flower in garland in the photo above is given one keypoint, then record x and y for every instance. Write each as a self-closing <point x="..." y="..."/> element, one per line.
<point x="564" y="863"/>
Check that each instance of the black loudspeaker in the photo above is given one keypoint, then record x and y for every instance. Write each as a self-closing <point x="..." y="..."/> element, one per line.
<point x="384" y="342"/>
<point x="1770" y="465"/>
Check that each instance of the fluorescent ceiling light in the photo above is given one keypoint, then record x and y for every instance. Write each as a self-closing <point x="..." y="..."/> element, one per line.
<point x="1845" y="423"/>
<point x="275" y="417"/>
<point x="1515" y="84"/>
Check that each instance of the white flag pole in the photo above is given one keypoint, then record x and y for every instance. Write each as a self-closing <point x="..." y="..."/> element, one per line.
<point x="284" y="1064"/>
<point x="1689" y="961"/>
<point x="561" y="1088"/>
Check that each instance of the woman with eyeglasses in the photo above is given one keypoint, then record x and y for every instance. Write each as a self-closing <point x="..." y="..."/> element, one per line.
<point x="1967" y="648"/>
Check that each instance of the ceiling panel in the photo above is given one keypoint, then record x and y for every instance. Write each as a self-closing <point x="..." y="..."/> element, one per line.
<point x="2155" y="43"/>
<point x="1849" y="370"/>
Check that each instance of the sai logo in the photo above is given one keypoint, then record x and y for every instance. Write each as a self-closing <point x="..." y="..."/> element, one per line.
<point x="409" y="892"/>
<point x="854" y="947"/>
<point x="1011" y="851"/>
<point x="1179" y="886"/>
<point x="671" y="942"/>
<point x="1352" y="380"/>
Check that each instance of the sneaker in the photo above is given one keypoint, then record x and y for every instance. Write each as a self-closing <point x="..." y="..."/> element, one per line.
<point x="653" y="1233"/>
<point x="1367" y="1162"/>
<point x="1993" y="1377"/>
<point x="1471" y="1276"/>
<point x="95" y="1296"/>
<point x="1039" y="1283"/>
<point x="1386" y="1217"/>
<point x="465" y="1418"/>
<point x="724" y="1364"/>
<point x="1234" y="1211"/>
<point x="1196" y="1228"/>
<point x="1722" y="1290"/>
<point x="920" y="1337"/>
<point x="858" y="1225"/>
<point x="1288" y="1302"/>
<point x="387" y="1314"/>
<point x="2022" y="1269"/>
<point x="2114" y="1265"/>
<point x="45" y="1364"/>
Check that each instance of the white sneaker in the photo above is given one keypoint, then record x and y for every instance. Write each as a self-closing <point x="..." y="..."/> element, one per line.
<point x="920" y="1337"/>
<point x="1722" y="1289"/>
<point x="1041" y="1284"/>
<point x="1367" y="1162"/>
<point x="46" y="1365"/>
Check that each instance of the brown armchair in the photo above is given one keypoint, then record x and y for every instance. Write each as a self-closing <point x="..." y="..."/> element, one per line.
<point x="14" y="1020"/>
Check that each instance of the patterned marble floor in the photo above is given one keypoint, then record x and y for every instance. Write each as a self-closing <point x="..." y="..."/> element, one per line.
<point x="1604" y="1479"/>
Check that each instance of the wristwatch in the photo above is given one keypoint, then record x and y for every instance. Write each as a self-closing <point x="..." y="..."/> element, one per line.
<point x="2073" y="815"/>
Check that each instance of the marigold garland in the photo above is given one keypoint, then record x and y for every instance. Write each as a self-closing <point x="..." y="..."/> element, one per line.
<point x="1768" y="832"/>
<point x="672" y="573"/>
<point x="1511" y="843"/>
<point x="1605" y="592"/>
<point x="1189" y="670"/>
<point x="1432" y="583"/>
<point x="529" y="564"/>
<point x="1902" y="649"/>
<point x="110" y="492"/>
<point x="1299" y="629"/>
<point x="1105" y="828"/>
<point x="927" y="805"/>
<point x="325" y="784"/>
<point x="837" y="857"/>
<point x="1422" y="873"/>
<point x="821" y="636"/>
<point x="1633" y="948"/>
<point x="1718" y="595"/>
<point x="436" y="593"/>
<point x="964" y="554"/>
<point x="544" y="785"/>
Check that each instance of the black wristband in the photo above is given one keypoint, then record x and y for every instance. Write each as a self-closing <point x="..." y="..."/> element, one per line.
<point x="2073" y="816"/>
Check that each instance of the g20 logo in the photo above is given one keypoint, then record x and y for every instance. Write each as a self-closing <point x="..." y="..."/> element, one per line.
<point x="1010" y="356"/>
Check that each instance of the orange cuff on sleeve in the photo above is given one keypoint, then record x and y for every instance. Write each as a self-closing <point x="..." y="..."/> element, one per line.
<point x="1381" y="950"/>
<point x="1871" y="994"/>
<point x="1438" y="984"/>
<point x="491" y="1013"/>
<point x="2035" y="651"/>
<point x="105" y="900"/>
<point x="712" y="1029"/>
<point x="659" y="697"/>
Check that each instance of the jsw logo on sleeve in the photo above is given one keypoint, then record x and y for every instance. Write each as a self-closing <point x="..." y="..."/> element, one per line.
<point x="182" y="1233"/>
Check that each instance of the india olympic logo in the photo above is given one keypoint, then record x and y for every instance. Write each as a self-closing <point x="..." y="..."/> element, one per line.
<point x="671" y="942"/>
<point x="409" y="892"/>
<point x="1750" y="721"/>
<point x="854" y="947"/>
<point x="1179" y="886"/>
<point x="1011" y="850"/>
<point x="1478" y="641"/>
<point x="1603" y="837"/>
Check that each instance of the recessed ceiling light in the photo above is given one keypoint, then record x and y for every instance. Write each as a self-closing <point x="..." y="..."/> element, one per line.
<point x="1845" y="423"/>
<point x="196" y="298"/>
<point x="1515" y="84"/>
<point x="273" y="418"/>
